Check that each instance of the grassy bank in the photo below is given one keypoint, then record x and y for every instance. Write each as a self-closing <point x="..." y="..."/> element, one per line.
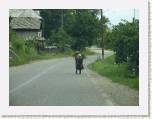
<point x="24" y="51"/>
<point x="117" y="73"/>
<point x="24" y="58"/>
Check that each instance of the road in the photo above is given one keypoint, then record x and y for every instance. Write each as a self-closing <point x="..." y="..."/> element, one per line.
<point x="54" y="83"/>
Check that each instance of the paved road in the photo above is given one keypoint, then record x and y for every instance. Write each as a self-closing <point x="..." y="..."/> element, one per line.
<point x="54" y="83"/>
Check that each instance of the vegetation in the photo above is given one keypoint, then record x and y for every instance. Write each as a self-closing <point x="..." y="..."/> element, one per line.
<point x="116" y="72"/>
<point x="21" y="52"/>
<point x="123" y="67"/>
<point x="80" y="28"/>
<point x="124" y="40"/>
<point x="60" y="38"/>
<point x="25" y="51"/>
<point x="75" y="29"/>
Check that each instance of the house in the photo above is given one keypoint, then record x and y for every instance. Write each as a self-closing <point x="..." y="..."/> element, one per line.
<point x="27" y="23"/>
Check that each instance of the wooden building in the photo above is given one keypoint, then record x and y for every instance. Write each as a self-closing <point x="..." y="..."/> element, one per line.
<point x="27" y="23"/>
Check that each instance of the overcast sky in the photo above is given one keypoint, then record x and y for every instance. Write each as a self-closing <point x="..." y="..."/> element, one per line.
<point x="115" y="16"/>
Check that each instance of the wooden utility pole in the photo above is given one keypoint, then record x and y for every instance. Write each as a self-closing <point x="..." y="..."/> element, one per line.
<point x="134" y="16"/>
<point x="62" y="18"/>
<point x="102" y="40"/>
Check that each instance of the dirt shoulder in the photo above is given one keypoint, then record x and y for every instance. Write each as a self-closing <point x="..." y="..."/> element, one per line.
<point x="121" y="94"/>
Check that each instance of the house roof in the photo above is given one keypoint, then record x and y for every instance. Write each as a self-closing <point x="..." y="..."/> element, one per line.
<point x="25" y="23"/>
<point x="25" y="19"/>
<point x="24" y="13"/>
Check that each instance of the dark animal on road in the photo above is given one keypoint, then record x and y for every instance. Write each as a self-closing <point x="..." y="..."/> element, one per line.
<point x="79" y="63"/>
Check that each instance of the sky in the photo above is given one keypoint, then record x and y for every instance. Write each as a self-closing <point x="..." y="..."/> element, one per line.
<point x="115" y="16"/>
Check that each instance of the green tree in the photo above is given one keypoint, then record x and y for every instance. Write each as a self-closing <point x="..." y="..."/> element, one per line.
<point x="85" y="29"/>
<point x="52" y="20"/>
<point x="83" y="25"/>
<point x="125" y="39"/>
<point x="60" y="38"/>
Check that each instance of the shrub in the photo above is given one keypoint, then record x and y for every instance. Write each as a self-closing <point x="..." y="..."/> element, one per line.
<point x="24" y="50"/>
<point x="125" y="38"/>
<point x="17" y="43"/>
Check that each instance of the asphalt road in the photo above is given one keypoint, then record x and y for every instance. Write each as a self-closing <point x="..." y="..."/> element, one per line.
<point x="54" y="83"/>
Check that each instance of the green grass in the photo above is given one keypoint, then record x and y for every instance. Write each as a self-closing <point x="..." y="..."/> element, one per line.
<point x="117" y="73"/>
<point x="24" y="58"/>
<point x="27" y="59"/>
<point x="27" y="55"/>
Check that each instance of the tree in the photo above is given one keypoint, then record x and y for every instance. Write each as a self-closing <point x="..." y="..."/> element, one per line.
<point x="125" y="38"/>
<point x="60" y="38"/>
<point x="52" y="20"/>
<point x="82" y="25"/>
<point x="85" y="29"/>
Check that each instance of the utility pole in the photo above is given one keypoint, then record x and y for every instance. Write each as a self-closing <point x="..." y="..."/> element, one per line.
<point x="134" y="16"/>
<point x="62" y="18"/>
<point x="102" y="40"/>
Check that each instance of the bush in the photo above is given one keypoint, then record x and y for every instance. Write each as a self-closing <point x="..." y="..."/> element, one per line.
<point x="31" y="43"/>
<point x="24" y="50"/>
<point x="17" y="43"/>
<point x="125" y="38"/>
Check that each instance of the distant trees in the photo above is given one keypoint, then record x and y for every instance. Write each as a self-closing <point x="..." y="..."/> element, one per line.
<point x="82" y="26"/>
<point x="79" y="28"/>
<point x="60" y="38"/>
<point x="85" y="29"/>
<point x="52" y="20"/>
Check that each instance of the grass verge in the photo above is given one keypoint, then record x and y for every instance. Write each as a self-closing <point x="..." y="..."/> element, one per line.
<point x="28" y="58"/>
<point x="117" y="73"/>
<point x="33" y="56"/>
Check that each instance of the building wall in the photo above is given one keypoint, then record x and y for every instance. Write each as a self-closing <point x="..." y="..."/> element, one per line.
<point x="29" y="35"/>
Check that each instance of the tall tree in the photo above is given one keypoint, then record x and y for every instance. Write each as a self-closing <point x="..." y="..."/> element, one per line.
<point x="52" y="19"/>
<point x="85" y="29"/>
<point x="125" y="38"/>
<point x="83" y="25"/>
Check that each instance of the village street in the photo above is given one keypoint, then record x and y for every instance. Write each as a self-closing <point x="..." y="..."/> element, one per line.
<point x="54" y="83"/>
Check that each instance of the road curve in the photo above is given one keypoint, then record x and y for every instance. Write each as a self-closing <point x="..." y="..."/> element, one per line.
<point x="54" y="83"/>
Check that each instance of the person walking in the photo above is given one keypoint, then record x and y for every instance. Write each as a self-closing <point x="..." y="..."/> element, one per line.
<point x="79" y="63"/>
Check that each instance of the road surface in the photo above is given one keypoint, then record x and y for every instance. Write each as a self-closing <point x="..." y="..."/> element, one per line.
<point x="54" y="83"/>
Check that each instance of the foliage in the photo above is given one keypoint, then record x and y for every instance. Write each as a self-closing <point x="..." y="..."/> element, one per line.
<point x="107" y="38"/>
<point x="125" y="41"/>
<point x="51" y="19"/>
<point x="116" y="73"/>
<point x="82" y="25"/>
<point x="60" y="38"/>
<point x="86" y="29"/>
<point x="23" y="53"/>
<point x="16" y="42"/>
<point x="31" y="43"/>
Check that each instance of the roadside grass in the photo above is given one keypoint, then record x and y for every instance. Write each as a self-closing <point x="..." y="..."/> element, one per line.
<point x="23" y="52"/>
<point x="31" y="56"/>
<point x="117" y="73"/>
<point x="28" y="58"/>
